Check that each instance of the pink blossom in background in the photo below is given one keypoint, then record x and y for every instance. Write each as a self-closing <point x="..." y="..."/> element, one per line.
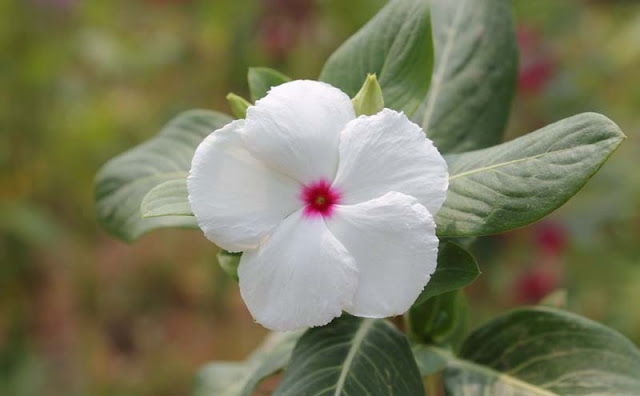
<point x="551" y="238"/>
<point x="282" y="23"/>
<point x="536" y="63"/>
<point x="534" y="285"/>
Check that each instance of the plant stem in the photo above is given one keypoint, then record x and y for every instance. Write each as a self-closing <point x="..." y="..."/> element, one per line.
<point x="431" y="385"/>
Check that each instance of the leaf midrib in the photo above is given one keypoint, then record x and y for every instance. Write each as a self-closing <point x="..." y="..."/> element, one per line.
<point x="502" y="164"/>
<point x="453" y="361"/>
<point x="358" y="338"/>
<point x="436" y="81"/>
<point x="136" y="181"/>
<point x="471" y="366"/>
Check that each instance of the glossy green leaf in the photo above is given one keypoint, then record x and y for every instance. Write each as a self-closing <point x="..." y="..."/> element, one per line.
<point x="456" y="269"/>
<point x="122" y="182"/>
<point x="262" y="79"/>
<point x="229" y="263"/>
<point x="395" y="45"/>
<point x="519" y="182"/>
<point x="241" y="378"/>
<point x="476" y="65"/>
<point x="544" y="351"/>
<point x="352" y="356"/>
<point x="440" y="320"/>
<point x="167" y="199"/>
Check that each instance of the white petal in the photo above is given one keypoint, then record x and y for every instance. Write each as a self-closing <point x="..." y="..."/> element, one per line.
<point x="387" y="152"/>
<point x="301" y="276"/>
<point x="296" y="128"/>
<point x="393" y="241"/>
<point x="236" y="199"/>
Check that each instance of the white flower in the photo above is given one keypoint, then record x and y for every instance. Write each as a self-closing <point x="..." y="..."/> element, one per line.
<point x="332" y="212"/>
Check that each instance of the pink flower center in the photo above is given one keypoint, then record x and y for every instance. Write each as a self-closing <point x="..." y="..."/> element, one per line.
<point x="319" y="198"/>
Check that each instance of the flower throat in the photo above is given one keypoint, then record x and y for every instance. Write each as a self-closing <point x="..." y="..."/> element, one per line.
<point x="319" y="199"/>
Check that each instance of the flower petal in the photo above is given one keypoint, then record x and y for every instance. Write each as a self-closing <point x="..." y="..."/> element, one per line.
<point x="301" y="276"/>
<point x="236" y="199"/>
<point x="393" y="242"/>
<point x="296" y="129"/>
<point x="387" y="152"/>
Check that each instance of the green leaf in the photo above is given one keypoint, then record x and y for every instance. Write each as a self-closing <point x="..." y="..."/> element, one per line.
<point x="440" y="320"/>
<point x="439" y="315"/>
<point x="229" y="263"/>
<point x="430" y="359"/>
<point x="456" y="269"/>
<point x="519" y="182"/>
<point x="369" y="100"/>
<point x="352" y="356"/>
<point x="395" y="45"/>
<point x="262" y="79"/>
<point x="122" y="182"/>
<point x="167" y="199"/>
<point x="544" y="351"/>
<point x="241" y="378"/>
<point x="476" y="56"/>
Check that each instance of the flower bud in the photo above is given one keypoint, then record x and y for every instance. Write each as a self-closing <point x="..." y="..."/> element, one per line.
<point x="238" y="105"/>
<point x="369" y="100"/>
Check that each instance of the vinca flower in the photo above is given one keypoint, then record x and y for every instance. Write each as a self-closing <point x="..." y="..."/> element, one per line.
<point x="332" y="213"/>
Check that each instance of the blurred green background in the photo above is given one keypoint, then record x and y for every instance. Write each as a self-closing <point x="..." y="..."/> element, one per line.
<point x="81" y="81"/>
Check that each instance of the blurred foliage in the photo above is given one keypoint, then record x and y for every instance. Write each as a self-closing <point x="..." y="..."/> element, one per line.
<point x="81" y="313"/>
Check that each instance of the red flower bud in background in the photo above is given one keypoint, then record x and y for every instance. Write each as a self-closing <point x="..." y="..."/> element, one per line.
<point x="536" y="65"/>
<point x="551" y="238"/>
<point x="532" y="286"/>
<point x="282" y="23"/>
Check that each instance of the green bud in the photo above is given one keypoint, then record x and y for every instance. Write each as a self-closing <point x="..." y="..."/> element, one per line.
<point x="369" y="100"/>
<point x="238" y="105"/>
<point x="555" y="299"/>
<point x="229" y="263"/>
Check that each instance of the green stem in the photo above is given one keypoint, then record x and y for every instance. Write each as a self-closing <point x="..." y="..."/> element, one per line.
<point x="432" y="385"/>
